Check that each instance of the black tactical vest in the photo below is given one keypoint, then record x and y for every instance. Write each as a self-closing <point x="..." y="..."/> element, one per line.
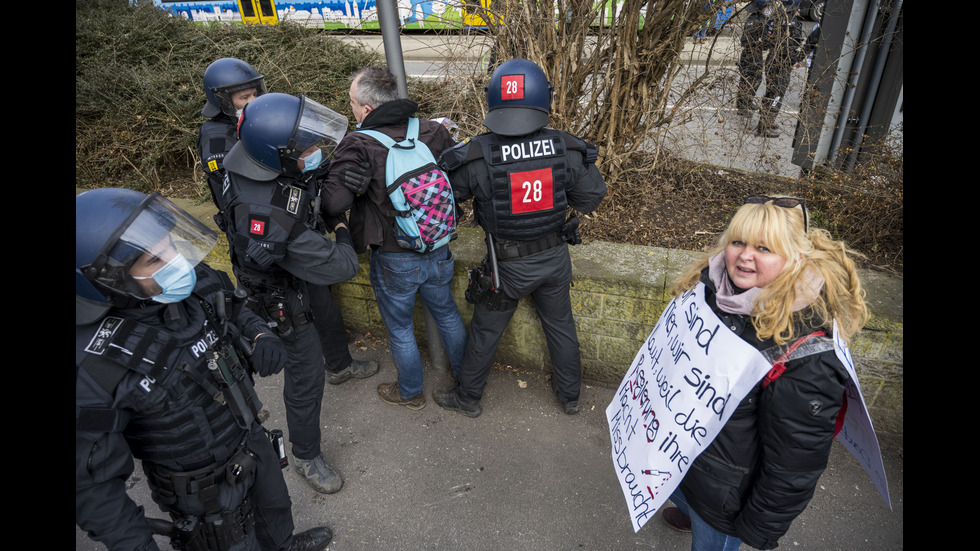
<point x="527" y="179"/>
<point x="178" y="413"/>
<point x="266" y="215"/>
<point x="215" y="140"/>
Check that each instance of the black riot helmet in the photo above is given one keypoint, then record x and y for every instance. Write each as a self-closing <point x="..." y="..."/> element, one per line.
<point x="222" y="79"/>
<point x="276" y="130"/>
<point x="518" y="98"/>
<point x="117" y="228"/>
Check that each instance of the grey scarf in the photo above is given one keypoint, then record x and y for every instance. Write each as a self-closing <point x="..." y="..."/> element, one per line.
<point x="735" y="301"/>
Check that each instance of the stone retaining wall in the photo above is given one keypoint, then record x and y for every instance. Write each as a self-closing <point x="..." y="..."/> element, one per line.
<point x="617" y="296"/>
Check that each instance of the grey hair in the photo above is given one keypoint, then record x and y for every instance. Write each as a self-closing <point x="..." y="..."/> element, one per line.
<point x="375" y="86"/>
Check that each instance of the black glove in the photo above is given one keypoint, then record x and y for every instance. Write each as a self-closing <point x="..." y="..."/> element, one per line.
<point x="569" y="230"/>
<point x="268" y="355"/>
<point x="356" y="177"/>
<point x="331" y="222"/>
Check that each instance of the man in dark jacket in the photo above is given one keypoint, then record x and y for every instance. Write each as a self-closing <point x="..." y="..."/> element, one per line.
<point x="161" y="375"/>
<point x="397" y="275"/>
<point x="523" y="177"/>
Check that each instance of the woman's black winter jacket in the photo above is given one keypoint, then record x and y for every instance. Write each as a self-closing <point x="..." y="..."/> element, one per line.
<point x="760" y="472"/>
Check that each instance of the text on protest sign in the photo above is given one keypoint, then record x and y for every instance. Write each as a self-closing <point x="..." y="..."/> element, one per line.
<point x="679" y="392"/>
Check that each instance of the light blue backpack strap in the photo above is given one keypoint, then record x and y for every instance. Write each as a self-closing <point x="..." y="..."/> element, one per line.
<point x="381" y="137"/>
<point x="411" y="134"/>
<point x="413" y="129"/>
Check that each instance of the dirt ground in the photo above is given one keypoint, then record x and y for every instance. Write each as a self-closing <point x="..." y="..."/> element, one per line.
<point x="687" y="206"/>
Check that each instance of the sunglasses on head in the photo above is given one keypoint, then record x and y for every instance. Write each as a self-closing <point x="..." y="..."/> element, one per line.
<point x="785" y="202"/>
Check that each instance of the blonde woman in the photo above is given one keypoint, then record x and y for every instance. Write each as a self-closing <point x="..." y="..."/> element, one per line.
<point x="778" y="284"/>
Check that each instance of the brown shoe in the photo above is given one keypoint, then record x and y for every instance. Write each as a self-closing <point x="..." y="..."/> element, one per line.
<point x="391" y="394"/>
<point x="677" y="520"/>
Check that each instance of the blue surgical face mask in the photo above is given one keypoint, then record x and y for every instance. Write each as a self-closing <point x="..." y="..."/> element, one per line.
<point x="177" y="279"/>
<point x="312" y="161"/>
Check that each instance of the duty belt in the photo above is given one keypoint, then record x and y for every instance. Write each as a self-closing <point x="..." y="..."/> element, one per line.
<point x="509" y="250"/>
<point x="268" y="291"/>
<point x="264" y="283"/>
<point x="202" y="481"/>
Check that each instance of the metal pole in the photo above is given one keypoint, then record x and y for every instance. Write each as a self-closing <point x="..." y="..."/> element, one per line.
<point x="872" y="94"/>
<point x="858" y="65"/>
<point x="390" y="31"/>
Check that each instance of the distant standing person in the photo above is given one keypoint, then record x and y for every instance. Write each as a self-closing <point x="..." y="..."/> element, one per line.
<point x="772" y="43"/>
<point x="523" y="177"/>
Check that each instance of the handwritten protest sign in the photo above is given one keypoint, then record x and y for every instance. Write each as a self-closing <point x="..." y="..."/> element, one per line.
<point x="679" y="392"/>
<point x="858" y="434"/>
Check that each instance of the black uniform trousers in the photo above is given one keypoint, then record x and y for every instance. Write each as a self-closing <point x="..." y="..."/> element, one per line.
<point x="304" y="375"/>
<point x="546" y="278"/>
<point x="777" y="67"/>
<point x="329" y="322"/>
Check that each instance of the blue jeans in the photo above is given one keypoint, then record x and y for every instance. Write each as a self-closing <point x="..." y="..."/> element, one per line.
<point x="396" y="279"/>
<point x="703" y="536"/>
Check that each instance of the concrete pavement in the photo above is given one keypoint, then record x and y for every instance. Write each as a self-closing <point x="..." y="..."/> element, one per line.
<point x="720" y="49"/>
<point x="522" y="476"/>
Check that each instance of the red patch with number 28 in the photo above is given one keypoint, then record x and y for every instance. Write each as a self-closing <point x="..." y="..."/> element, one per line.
<point x="512" y="87"/>
<point x="531" y="191"/>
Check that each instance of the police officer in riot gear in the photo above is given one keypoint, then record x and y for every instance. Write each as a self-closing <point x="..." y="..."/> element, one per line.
<point x="163" y="374"/>
<point x="280" y="253"/>
<point x="522" y="177"/>
<point x="772" y="43"/>
<point x="229" y="85"/>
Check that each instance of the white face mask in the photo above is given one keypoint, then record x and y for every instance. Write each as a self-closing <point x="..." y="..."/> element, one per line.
<point x="312" y="161"/>
<point x="177" y="278"/>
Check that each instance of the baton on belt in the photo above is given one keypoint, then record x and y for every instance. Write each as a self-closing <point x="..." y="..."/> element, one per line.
<point x="495" y="277"/>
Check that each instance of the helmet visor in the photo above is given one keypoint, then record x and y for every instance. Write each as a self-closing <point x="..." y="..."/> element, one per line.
<point x="158" y="233"/>
<point x="318" y="126"/>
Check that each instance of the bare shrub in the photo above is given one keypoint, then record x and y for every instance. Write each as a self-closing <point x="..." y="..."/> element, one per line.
<point x="616" y="64"/>
<point x="138" y="88"/>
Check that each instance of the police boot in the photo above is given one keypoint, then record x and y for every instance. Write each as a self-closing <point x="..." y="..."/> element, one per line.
<point x="745" y="109"/>
<point x="358" y="369"/>
<point x="767" y="123"/>
<point x="323" y="479"/>
<point x="570" y="407"/>
<point x="766" y="130"/>
<point x="314" y="539"/>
